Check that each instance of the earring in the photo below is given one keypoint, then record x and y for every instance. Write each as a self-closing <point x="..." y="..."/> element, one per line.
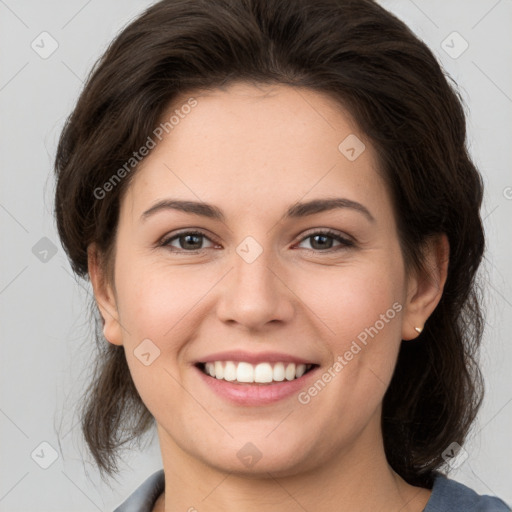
<point x="418" y="329"/>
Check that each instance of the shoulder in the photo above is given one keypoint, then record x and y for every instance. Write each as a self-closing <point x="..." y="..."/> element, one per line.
<point x="449" y="495"/>
<point x="144" y="497"/>
<point x="446" y="495"/>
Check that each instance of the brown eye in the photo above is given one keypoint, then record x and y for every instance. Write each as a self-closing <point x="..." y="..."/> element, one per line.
<point x="323" y="241"/>
<point x="187" y="241"/>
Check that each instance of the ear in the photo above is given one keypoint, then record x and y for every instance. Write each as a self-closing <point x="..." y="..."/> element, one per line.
<point x="425" y="288"/>
<point x="104" y="295"/>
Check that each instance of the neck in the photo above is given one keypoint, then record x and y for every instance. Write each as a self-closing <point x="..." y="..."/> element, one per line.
<point x="356" y="479"/>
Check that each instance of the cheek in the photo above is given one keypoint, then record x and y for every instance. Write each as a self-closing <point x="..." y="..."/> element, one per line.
<point x="354" y="311"/>
<point x="360" y="315"/>
<point x="156" y="316"/>
<point x="154" y="309"/>
<point x="360" y="310"/>
<point x="154" y="301"/>
<point x="357" y="302"/>
<point x="161" y="307"/>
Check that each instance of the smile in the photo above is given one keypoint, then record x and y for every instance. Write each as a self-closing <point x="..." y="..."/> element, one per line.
<point x="262" y="373"/>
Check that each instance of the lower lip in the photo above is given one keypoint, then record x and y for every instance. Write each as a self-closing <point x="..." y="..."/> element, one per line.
<point x="256" y="394"/>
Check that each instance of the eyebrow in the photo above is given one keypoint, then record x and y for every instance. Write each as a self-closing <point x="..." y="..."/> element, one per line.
<point x="297" y="210"/>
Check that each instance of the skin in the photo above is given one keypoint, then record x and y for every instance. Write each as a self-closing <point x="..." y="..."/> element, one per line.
<point x="253" y="151"/>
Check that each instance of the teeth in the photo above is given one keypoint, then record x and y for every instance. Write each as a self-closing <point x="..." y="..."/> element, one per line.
<point x="244" y="372"/>
<point x="289" y="372"/>
<point x="261" y="373"/>
<point x="229" y="371"/>
<point x="300" y="371"/>
<point x="219" y="370"/>
<point x="278" y="373"/>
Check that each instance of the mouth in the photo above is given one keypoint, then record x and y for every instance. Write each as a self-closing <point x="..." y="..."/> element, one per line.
<point x="263" y="373"/>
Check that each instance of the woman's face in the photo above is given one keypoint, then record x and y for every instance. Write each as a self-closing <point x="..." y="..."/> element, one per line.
<point x="259" y="282"/>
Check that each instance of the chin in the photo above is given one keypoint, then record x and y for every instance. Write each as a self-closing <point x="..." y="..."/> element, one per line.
<point x="258" y="459"/>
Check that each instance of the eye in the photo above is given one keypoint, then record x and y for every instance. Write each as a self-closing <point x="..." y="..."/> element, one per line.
<point x="192" y="241"/>
<point x="188" y="241"/>
<point x="322" y="241"/>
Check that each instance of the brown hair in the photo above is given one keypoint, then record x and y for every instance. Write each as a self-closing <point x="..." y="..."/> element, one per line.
<point x="374" y="66"/>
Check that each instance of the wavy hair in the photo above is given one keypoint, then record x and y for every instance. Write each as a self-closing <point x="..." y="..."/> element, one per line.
<point x="378" y="70"/>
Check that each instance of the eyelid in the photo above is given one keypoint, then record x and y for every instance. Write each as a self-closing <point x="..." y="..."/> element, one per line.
<point x="166" y="239"/>
<point x="346" y="241"/>
<point x="327" y="231"/>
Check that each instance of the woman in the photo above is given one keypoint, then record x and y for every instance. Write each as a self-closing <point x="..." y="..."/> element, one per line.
<point x="280" y="220"/>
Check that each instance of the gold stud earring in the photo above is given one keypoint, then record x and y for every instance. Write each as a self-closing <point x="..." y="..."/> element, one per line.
<point x="418" y="329"/>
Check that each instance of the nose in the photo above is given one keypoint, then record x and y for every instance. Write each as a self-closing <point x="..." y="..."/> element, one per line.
<point x="256" y="293"/>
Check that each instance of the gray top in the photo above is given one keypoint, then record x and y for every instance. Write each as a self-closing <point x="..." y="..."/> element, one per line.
<point x="447" y="496"/>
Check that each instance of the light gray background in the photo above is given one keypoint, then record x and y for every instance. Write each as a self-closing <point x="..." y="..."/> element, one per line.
<point x="46" y="336"/>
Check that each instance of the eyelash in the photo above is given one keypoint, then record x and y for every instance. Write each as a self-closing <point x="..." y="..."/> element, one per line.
<point x="345" y="242"/>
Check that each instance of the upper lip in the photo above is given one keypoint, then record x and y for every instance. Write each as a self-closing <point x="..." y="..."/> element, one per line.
<point x="254" y="358"/>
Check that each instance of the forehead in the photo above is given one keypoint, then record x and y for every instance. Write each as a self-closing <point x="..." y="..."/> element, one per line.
<point x="245" y="146"/>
